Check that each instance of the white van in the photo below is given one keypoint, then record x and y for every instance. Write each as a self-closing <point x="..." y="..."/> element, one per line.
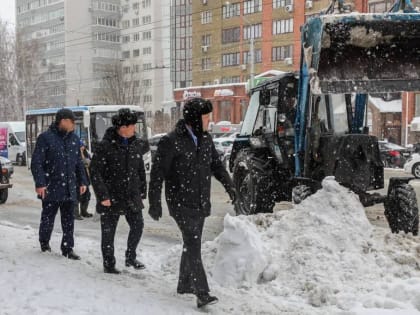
<point x="16" y="144"/>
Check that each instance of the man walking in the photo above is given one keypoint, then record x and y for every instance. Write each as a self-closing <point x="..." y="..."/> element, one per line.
<point x="82" y="204"/>
<point x="185" y="159"/>
<point x="119" y="181"/>
<point x="58" y="172"/>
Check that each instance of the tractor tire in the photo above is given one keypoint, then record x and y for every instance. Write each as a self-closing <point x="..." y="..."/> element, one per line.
<point x="401" y="209"/>
<point x="4" y="193"/>
<point x="416" y="170"/>
<point x="254" y="193"/>
<point x="300" y="193"/>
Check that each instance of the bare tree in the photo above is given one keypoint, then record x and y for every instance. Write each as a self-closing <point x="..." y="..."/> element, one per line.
<point x="19" y="76"/>
<point x="161" y="122"/>
<point x="122" y="84"/>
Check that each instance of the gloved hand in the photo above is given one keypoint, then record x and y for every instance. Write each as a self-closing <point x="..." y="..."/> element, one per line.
<point x="155" y="212"/>
<point x="232" y="194"/>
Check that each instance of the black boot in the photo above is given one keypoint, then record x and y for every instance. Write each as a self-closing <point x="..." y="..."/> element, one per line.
<point x="83" y="209"/>
<point x="45" y="247"/>
<point x="135" y="263"/>
<point x="71" y="255"/>
<point x="111" y="269"/>
<point x="206" y="299"/>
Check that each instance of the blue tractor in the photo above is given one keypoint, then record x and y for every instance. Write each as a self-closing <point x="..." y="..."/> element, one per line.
<point x="302" y="127"/>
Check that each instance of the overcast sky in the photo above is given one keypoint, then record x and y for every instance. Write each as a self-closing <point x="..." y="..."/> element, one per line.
<point x="7" y="10"/>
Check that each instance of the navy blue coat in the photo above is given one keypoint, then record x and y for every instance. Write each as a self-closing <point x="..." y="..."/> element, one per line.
<point x="57" y="164"/>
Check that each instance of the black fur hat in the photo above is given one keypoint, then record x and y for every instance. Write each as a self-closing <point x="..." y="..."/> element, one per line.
<point x="124" y="117"/>
<point x="64" y="113"/>
<point x="193" y="110"/>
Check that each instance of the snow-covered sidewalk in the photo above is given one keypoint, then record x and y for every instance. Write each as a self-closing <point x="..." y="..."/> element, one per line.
<point x="321" y="257"/>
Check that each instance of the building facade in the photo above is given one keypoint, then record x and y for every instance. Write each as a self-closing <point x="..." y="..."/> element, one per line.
<point x="75" y="39"/>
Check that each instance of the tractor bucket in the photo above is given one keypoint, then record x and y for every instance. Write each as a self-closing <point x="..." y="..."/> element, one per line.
<point x="363" y="53"/>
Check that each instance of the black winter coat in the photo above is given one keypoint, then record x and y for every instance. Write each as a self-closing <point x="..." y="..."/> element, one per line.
<point x="117" y="173"/>
<point x="56" y="164"/>
<point x="187" y="170"/>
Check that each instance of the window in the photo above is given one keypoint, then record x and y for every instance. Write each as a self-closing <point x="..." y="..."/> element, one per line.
<point x="205" y="64"/>
<point x="136" y="6"/>
<point x="252" y="6"/>
<point x="126" y="24"/>
<point x="146" y="3"/>
<point x="231" y="35"/>
<point x="126" y="54"/>
<point x="126" y="39"/>
<point x="147" y="66"/>
<point x="282" y="52"/>
<point x="247" y="56"/>
<point x="147" y="35"/>
<point x="234" y="79"/>
<point x="252" y="31"/>
<point x="136" y="22"/>
<point x="136" y="52"/>
<point x="147" y="82"/>
<point x="281" y="3"/>
<point x="126" y="70"/>
<point x="230" y="59"/>
<point x="417" y="105"/>
<point x="147" y="19"/>
<point x="147" y="98"/>
<point x="136" y="37"/>
<point x="147" y="50"/>
<point x="206" y="17"/>
<point x="206" y="40"/>
<point x="282" y="26"/>
<point x="231" y="10"/>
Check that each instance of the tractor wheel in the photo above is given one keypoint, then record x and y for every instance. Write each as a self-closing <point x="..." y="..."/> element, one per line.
<point x="254" y="194"/>
<point x="4" y="193"/>
<point x="401" y="209"/>
<point x="416" y="170"/>
<point x="300" y="193"/>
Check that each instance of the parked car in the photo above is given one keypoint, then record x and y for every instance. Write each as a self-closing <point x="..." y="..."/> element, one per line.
<point x="153" y="142"/>
<point x="6" y="163"/>
<point x="393" y="155"/>
<point x="4" y="183"/>
<point x="412" y="166"/>
<point x="224" y="147"/>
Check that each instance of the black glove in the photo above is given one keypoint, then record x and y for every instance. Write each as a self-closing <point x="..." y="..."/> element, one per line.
<point x="155" y="212"/>
<point x="232" y="194"/>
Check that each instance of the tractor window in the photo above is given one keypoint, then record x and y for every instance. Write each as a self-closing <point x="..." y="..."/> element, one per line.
<point x="335" y="106"/>
<point x="251" y="114"/>
<point x="259" y="123"/>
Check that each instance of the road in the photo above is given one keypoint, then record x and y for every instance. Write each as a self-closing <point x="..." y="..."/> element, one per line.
<point x="24" y="209"/>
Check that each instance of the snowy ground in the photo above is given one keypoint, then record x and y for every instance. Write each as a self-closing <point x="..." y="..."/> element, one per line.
<point x="321" y="257"/>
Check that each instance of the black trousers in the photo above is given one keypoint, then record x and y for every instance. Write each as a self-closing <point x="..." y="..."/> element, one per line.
<point x="109" y="224"/>
<point x="48" y="214"/>
<point x="192" y="277"/>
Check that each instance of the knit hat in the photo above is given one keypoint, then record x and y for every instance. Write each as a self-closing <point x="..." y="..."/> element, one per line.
<point x="124" y="117"/>
<point x="64" y="113"/>
<point x="193" y="110"/>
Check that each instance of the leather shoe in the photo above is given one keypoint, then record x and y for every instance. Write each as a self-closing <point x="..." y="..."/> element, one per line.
<point x="112" y="270"/>
<point x="134" y="263"/>
<point x="78" y="217"/>
<point x="45" y="247"/>
<point x="72" y="255"/>
<point x="206" y="299"/>
<point x="87" y="215"/>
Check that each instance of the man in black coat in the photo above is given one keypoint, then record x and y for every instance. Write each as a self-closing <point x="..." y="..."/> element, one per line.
<point x="185" y="159"/>
<point x="119" y="181"/>
<point x="58" y="172"/>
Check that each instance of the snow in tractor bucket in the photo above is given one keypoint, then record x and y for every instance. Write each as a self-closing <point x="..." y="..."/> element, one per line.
<point x="363" y="53"/>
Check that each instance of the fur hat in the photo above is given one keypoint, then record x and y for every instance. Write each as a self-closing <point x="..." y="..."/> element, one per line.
<point x="124" y="117"/>
<point x="193" y="110"/>
<point x="64" y="113"/>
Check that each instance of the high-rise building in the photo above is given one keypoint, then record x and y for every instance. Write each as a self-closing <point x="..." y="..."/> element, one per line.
<point x="228" y="33"/>
<point x="145" y="46"/>
<point x="76" y="38"/>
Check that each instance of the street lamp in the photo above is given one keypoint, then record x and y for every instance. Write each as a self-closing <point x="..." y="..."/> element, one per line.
<point x="251" y="47"/>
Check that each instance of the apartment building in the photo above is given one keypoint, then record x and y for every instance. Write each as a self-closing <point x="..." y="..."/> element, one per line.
<point x="227" y="34"/>
<point x="76" y="38"/>
<point x="145" y="46"/>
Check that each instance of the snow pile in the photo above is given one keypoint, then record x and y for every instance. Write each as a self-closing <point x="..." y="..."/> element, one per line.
<point x="241" y="253"/>
<point x="321" y="253"/>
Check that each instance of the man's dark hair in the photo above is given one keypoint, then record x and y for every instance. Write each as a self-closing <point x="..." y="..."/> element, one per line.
<point x="124" y="117"/>
<point x="64" y="113"/>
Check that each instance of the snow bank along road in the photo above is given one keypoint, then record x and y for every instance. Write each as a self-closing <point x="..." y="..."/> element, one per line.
<point x="321" y="257"/>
